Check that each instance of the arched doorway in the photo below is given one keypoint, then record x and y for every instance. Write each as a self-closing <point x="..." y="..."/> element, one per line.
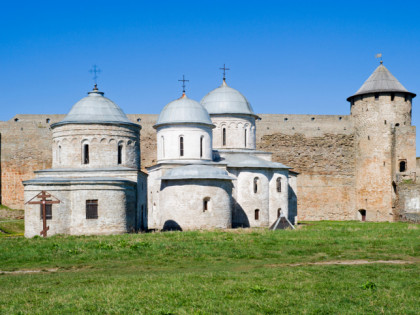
<point x="362" y="215"/>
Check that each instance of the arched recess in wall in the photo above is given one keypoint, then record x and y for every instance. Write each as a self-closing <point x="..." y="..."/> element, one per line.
<point x="278" y="184"/>
<point x="181" y="145"/>
<point x="206" y="204"/>
<point x="223" y="135"/>
<point x="120" y="153"/>
<point x="85" y="152"/>
<point x="201" y="146"/>
<point x="256" y="182"/>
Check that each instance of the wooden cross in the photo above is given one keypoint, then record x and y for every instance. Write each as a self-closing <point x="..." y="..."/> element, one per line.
<point x="43" y="195"/>
<point x="224" y="71"/>
<point x="183" y="83"/>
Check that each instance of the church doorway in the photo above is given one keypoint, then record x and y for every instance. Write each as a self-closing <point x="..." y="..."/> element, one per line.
<point x="362" y="215"/>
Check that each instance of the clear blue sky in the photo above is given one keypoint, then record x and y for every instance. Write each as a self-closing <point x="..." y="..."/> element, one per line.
<point x="297" y="57"/>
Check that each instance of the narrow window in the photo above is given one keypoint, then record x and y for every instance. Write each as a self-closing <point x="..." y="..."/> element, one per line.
<point x="255" y="185"/>
<point x="92" y="209"/>
<point x="397" y="124"/>
<point x="405" y="97"/>
<point x="313" y="118"/>
<point x="278" y="212"/>
<point x="403" y="166"/>
<point x="224" y="136"/>
<point x="278" y="184"/>
<point x="206" y="202"/>
<point x="201" y="146"/>
<point x="86" y="154"/>
<point x="181" y="146"/>
<point x="392" y="96"/>
<point x="376" y="96"/>
<point x="47" y="120"/>
<point x="245" y="138"/>
<point x="368" y="137"/>
<point x="59" y="154"/>
<point x="352" y="101"/>
<point x="363" y="215"/>
<point x="257" y="214"/>
<point x="48" y="211"/>
<point x="385" y="122"/>
<point x="120" y="148"/>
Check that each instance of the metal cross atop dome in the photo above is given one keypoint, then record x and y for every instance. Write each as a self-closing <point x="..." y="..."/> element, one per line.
<point x="95" y="70"/>
<point x="183" y="83"/>
<point x="224" y="71"/>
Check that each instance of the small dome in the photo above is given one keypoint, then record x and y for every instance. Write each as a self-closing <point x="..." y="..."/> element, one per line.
<point x="196" y="172"/>
<point x="225" y="100"/>
<point x="95" y="108"/>
<point x="183" y="110"/>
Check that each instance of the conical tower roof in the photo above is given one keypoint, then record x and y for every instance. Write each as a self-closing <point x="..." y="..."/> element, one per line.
<point x="381" y="80"/>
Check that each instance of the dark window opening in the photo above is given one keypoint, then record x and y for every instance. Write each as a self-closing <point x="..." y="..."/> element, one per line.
<point x="201" y="147"/>
<point x="394" y="187"/>
<point x="181" y="146"/>
<point x="278" y="182"/>
<point x="59" y="154"/>
<point x="92" y="209"/>
<point x="86" y="154"/>
<point x="47" y="120"/>
<point x="286" y="119"/>
<point x="403" y="166"/>
<point x="48" y="211"/>
<point x="384" y="163"/>
<point x="385" y="122"/>
<point x="255" y="185"/>
<point x="224" y="136"/>
<point x="368" y="137"/>
<point x="278" y="212"/>
<point x="405" y="97"/>
<point x="363" y="215"/>
<point x="245" y="138"/>
<point x="257" y="214"/>
<point x="397" y="124"/>
<point x="16" y="119"/>
<point x="313" y="118"/>
<point x="339" y="118"/>
<point x="376" y="96"/>
<point x="392" y="96"/>
<point x="138" y="120"/>
<point x="120" y="148"/>
<point x="206" y="204"/>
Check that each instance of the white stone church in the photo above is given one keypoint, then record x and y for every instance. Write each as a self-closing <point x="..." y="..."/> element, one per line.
<point x="208" y="173"/>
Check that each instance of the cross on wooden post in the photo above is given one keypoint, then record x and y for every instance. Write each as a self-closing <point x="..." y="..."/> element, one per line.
<point x="183" y="83"/>
<point x="43" y="195"/>
<point x="224" y="71"/>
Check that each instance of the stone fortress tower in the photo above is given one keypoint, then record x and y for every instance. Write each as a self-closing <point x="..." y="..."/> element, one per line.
<point x="385" y="150"/>
<point x="95" y="173"/>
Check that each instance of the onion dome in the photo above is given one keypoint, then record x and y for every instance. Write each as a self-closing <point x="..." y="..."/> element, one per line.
<point x="381" y="80"/>
<point x="183" y="111"/>
<point x="196" y="172"/>
<point x="95" y="108"/>
<point x="226" y="100"/>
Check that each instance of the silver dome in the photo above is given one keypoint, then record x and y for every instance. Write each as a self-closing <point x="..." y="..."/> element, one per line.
<point x="95" y="108"/>
<point x="196" y="172"/>
<point x="183" y="110"/>
<point x="226" y="100"/>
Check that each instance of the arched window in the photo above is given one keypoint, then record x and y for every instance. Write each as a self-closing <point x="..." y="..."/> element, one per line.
<point x="59" y="154"/>
<point x="278" y="184"/>
<point x="257" y="214"/>
<point x="278" y="212"/>
<point x="181" y="146"/>
<point x="120" y="149"/>
<point x="224" y="136"/>
<point x="245" y="138"/>
<point x="255" y="185"/>
<point x="201" y="146"/>
<point x="206" y="204"/>
<point x="85" y="154"/>
<point x="403" y="166"/>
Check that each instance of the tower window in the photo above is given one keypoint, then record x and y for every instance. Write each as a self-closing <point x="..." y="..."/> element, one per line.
<point x="376" y="96"/>
<point x="313" y="118"/>
<point x="392" y="96"/>
<point x="385" y="122"/>
<point x="278" y="184"/>
<point x="86" y="154"/>
<point x="48" y="211"/>
<point x="181" y="146"/>
<point x="201" y="146"/>
<point x="368" y="137"/>
<point x="92" y="209"/>
<point x="405" y="97"/>
<point x="403" y="166"/>
<point x="120" y="148"/>
<point x="257" y="214"/>
<point x="224" y="136"/>
<point x="245" y="138"/>
<point x="59" y="154"/>
<point x="206" y="202"/>
<point x="47" y="120"/>
<point x="255" y="185"/>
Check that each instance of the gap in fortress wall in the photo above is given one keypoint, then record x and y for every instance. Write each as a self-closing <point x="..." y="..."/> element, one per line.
<point x="319" y="147"/>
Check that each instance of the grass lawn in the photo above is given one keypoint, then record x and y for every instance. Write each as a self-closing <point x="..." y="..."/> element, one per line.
<point x="229" y="272"/>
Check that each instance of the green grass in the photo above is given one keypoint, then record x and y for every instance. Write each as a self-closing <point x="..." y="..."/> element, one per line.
<point x="228" y="272"/>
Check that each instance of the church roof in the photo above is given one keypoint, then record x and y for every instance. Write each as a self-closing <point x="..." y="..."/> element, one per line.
<point x="246" y="160"/>
<point x="381" y="80"/>
<point x="226" y="100"/>
<point x="95" y="108"/>
<point x="196" y="172"/>
<point x="183" y="110"/>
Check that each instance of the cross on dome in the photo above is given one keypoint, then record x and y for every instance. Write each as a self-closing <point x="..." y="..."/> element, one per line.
<point x="224" y="71"/>
<point x="183" y="84"/>
<point x="95" y="70"/>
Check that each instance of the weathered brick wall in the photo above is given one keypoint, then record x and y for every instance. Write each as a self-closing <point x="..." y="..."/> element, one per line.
<point x="408" y="204"/>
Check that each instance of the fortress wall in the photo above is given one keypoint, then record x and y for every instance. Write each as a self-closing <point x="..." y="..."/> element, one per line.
<point x="320" y="149"/>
